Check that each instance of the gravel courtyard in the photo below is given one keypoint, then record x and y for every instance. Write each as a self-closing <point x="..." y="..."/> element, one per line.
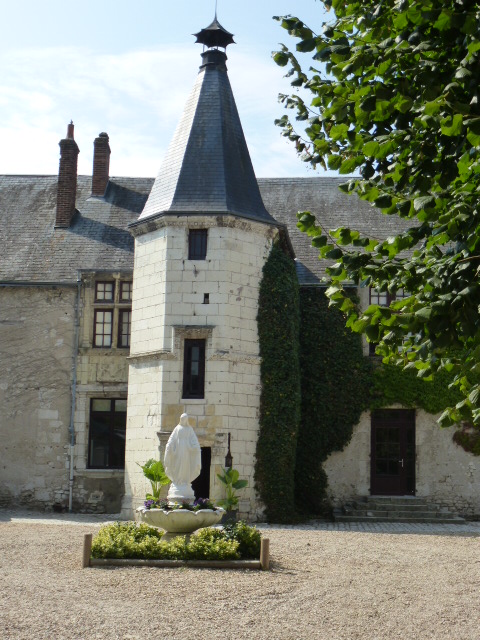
<point x="327" y="581"/>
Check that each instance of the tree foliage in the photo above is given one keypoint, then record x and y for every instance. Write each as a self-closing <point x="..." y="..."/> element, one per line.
<point x="396" y="100"/>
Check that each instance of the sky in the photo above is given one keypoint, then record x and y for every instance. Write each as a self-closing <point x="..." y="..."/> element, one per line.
<point x="127" y="67"/>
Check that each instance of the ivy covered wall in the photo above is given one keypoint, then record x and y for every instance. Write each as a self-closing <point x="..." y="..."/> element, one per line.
<point x="278" y="330"/>
<point x="316" y="383"/>
<point x="334" y="382"/>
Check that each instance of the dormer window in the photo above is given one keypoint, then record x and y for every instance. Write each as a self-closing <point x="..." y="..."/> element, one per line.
<point x="197" y="244"/>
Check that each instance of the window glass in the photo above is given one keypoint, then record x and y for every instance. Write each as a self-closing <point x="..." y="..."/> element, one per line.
<point x="100" y="404"/>
<point x="197" y="244"/>
<point x="124" y="327"/>
<point x="103" y="328"/>
<point x="194" y="369"/>
<point x="106" y="439"/>
<point x="104" y="291"/>
<point x="126" y="291"/>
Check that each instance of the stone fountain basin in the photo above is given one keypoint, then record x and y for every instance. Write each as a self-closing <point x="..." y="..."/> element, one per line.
<point x="180" y="520"/>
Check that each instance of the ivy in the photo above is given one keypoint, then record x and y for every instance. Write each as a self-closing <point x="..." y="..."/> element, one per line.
<point x="468" y="438"/>
<point x="278" y="330"/>
<point x="394" y="385"/>
<point x="335" y="387"/>
<point x="339" y="383"/>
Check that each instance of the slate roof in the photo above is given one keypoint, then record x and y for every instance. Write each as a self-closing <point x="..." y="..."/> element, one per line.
<point x="207" y="167"/>
<point x="99" y="239"/>
<point x="284" y="197"/>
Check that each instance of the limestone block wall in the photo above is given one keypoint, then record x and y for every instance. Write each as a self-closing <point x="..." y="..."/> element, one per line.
<point x="101" y="373"/>
<point x="348" y="471"/>
<point x="445" y="473"/>
<point x="36" y="356"/>
<point x="169" y="306"/>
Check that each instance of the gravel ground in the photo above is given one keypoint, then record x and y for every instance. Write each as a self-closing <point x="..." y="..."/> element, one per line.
<point x="327" y="581"/>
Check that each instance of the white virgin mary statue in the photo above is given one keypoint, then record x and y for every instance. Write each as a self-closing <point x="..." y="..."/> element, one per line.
<point x="182" y="461"/>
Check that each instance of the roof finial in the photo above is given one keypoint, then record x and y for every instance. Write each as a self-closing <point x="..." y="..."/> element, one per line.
<point x="215" y="35"/>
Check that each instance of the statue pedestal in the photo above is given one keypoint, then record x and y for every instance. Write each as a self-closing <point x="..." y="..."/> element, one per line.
<point x="180" y="493"/>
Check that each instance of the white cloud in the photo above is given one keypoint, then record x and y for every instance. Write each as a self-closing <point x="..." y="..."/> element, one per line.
<point x="137" y="97"/>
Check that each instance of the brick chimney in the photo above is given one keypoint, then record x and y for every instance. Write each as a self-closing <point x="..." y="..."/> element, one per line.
<point x="101" y="164"/>
<point x="67" y="179"/>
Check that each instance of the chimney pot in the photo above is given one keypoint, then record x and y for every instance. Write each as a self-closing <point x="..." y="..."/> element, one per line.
<point x="101" y="164"/>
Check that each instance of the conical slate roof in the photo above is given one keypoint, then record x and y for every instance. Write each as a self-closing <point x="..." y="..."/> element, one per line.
<point x="207" y="168"/>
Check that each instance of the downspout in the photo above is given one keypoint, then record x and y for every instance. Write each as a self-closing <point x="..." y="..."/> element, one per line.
<point x="71" y="428"/>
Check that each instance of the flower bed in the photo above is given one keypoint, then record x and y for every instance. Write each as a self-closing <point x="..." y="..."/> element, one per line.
<point x="129" y="540"/>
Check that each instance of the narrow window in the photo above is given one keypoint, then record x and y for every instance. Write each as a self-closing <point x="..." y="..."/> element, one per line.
<point x="125" y="291"/>
<point x="106" y="436"/>
<point x="124" y="326"/>
<point x="206" y="298"/>
<point x="194" y="369"/>
<point x="197" y="244"/>
<point x="102" y="328"/>
<point x="104" y="291"/>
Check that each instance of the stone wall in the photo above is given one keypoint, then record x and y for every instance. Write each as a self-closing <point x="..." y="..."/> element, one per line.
<point x="168" y="307"/>
<point x="445" y="473"/>
<point x="101" y="373"/>
<point x="36" y="357"/>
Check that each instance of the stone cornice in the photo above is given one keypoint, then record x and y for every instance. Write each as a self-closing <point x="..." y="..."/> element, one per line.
<point x="205" y="220"/>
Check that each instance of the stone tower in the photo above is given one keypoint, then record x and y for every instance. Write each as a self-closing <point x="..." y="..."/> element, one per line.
<point x="200" y="246"/>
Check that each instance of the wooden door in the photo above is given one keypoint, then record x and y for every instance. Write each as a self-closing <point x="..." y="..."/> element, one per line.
<point x="393" y="452"/>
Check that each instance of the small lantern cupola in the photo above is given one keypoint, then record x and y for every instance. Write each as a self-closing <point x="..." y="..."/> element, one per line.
<point x="214" y="36"/>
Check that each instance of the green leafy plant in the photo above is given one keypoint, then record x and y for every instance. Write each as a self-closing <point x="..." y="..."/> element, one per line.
<point x="132" y="540"/>
<point x="231" y="479"/>
<point x="154" y="471"/>
<point x="394" y="100"/>
<point x="248" y="538"/>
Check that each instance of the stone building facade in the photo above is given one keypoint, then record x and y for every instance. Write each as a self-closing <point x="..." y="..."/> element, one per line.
<point x="125" y="302"/>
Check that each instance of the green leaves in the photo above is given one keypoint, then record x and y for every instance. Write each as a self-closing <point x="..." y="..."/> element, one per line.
<point x="452" y="126"/>
<point x="398" y="103"/>
<point x="154" y="471"/>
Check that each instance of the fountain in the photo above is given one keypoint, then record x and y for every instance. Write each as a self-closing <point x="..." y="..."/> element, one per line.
<point x="182" y="464"/>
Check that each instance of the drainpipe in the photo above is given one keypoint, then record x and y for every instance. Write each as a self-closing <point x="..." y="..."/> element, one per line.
<point x="71" y="428"/>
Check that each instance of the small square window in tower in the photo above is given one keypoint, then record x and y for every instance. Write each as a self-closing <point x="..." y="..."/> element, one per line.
<point x="194" y="369"/>
<point x="197" y="244"/>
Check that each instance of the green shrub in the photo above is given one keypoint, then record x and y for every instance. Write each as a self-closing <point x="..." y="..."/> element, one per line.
<point x="131" y="540"/>
<point x="126" y="540"/>
<point x="211" y="544"/>
<point x="248" y="539"/>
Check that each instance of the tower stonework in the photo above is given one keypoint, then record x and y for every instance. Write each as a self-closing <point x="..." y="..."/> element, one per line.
<point x="200" y="246"/>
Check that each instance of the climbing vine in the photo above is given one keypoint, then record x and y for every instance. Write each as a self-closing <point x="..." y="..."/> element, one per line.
<point x="338" y="382"/>
<point x="278" y="330"/>
<point x="312" y="350"/>
<point x="334" y="379"/>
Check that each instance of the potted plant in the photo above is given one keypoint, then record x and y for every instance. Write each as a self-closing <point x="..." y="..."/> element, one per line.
<point x="154" y="471"/>
<point x="231" y="479"/>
